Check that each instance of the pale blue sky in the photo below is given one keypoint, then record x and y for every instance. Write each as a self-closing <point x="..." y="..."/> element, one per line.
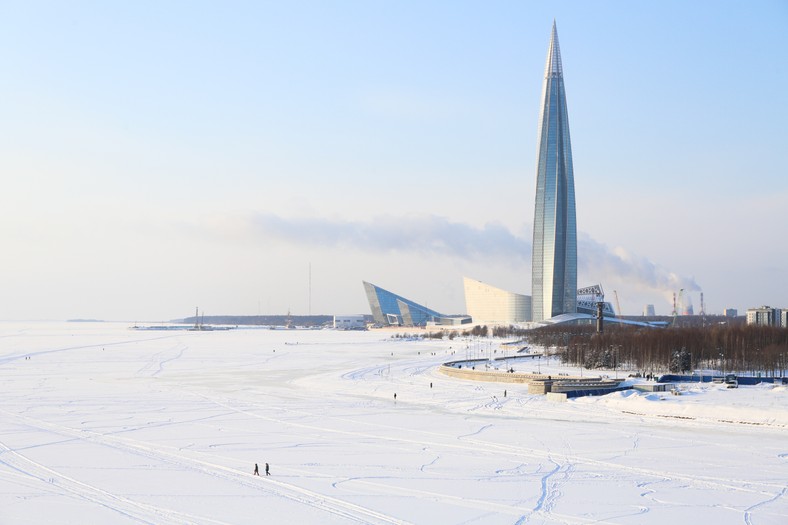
<point x="160" y="155"/>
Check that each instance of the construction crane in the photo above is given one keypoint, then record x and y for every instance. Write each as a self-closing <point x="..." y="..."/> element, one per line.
<point x="618" y="305"/>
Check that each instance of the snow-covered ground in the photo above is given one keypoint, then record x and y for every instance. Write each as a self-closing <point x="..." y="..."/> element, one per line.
<point x="102" y="424"/>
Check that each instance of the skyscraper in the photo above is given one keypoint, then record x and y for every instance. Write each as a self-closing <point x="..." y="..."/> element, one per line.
<point x="554" y="262"/>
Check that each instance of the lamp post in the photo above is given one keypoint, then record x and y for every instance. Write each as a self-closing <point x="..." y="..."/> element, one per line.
<point x="700" y="366"/>
<point x="722" y="364"/>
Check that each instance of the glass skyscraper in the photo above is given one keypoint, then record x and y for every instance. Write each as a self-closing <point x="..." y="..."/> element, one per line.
<point x="554" y="263"/>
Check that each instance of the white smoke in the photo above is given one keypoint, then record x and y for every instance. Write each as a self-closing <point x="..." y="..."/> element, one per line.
<point x="424" y="234"/>
<point x="597" y="259"/>
<point x="434" y="235"/>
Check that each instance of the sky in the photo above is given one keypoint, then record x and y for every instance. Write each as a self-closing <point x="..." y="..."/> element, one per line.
<point x="264" y="157"/>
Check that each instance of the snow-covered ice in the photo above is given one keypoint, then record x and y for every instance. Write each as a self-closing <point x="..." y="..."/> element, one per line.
<point x="102" y="424"/>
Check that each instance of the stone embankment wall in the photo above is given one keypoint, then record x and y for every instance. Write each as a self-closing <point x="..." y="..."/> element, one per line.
<point x="537" y="383"/>
<point x="497" y="376"/>
<point x="502" y="376"/>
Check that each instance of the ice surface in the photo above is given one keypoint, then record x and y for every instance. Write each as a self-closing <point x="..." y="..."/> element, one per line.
<point x="102" y="424"/>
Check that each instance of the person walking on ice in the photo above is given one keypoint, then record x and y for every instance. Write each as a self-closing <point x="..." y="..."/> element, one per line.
<point x="267" y="473"/>
<point x="256" y="470"/>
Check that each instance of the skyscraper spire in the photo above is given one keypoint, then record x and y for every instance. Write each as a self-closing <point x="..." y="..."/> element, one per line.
<point x="554" y="258"/>
<point x="553" y="64"/>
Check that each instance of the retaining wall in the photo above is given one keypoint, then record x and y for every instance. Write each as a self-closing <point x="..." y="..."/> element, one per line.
<point x="567" y="386"/>
<point x="486" y="375"/>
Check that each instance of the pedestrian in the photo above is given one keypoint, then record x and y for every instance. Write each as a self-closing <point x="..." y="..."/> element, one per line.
<point x="430" y="385"/>
<point x="395" y="396"/>
<point x="256" y="470"/>
<point x="267" y="472"/>
<point x="504" y="393"/>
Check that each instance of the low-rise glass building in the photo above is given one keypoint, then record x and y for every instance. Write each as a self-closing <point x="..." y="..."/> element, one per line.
<point x="390" y="309"/>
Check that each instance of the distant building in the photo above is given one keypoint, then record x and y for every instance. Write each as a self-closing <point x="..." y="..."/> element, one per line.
<point x="587" y="299"/>
<point x="764" y="316"/>
<point x="648" y="311"/>
<point x="350" y="322"/>
<point x="490" y="305"/>
<point x="389" y="309"/>
<point x="730" y="312"/>
<point x="784" y="318"/>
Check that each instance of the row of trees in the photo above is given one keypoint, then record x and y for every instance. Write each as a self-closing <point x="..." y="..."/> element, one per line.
<point x="737" y="348"/>
<point x="476" y="331"/>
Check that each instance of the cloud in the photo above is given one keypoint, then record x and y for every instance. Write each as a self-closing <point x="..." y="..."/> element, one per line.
<point x="423" y="234"/>
<point x="433" y="235"/>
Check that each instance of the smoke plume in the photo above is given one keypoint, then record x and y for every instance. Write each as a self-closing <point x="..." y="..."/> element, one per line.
<point x="424" y="234"/>
<point x="597" y="259"/>
<point x="434" y="235"/>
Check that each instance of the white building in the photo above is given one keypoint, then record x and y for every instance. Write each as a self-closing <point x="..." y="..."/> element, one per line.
<point x="764" y="316"/>
<point x="490" y="305"/>
<point x="648" y="311"/>
<point x="350" y="322"/>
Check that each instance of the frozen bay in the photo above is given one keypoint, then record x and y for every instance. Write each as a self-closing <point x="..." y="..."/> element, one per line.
<point x="102" y="424"/>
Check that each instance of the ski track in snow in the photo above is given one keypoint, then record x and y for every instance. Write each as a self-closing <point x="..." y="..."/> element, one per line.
<point x="431" y="463"/>
<point x="15" y="357"/>
<point x="152" y="514"/>
<point x="482" y="429"/>
<point x="158" y="360"/>
<point x="498" y="450"/>
<point x="477" y="445"/>
<point x="480" y="443"/>
<point x="467" y="502"/>
<point x="544" y="481"/>
<point x="144" y="512"/>
<point x="748" y="512"/>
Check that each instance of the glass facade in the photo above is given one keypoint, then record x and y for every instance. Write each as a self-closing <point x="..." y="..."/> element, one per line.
<point x="554" y="259"/>
<point x="391" y="309"/>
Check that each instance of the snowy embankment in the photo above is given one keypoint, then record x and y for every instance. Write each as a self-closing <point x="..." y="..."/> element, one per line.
<point x="764" y="404"/>
<point x="101" y="424"/>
